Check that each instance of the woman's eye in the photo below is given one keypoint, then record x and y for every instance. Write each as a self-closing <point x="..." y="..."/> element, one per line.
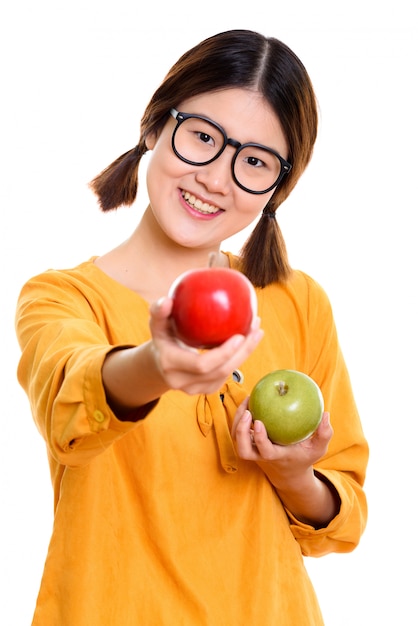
<point x="255" y="162"/>
<point x="205" y="138"/>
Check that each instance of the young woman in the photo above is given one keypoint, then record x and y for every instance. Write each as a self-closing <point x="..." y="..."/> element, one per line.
<point x="171" y="505"/>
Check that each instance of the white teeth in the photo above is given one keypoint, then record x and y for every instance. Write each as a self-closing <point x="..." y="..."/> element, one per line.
<point x="202" y="207"/>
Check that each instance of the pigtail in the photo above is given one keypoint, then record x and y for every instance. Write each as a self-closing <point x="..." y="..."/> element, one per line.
<point x="264" y="256"/>
<point x="118" y="184"/>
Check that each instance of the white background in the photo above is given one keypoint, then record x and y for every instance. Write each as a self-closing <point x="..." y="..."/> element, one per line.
<point x="75" y="78"/>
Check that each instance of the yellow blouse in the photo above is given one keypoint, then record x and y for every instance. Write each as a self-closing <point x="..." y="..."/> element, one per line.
<point x="157" y="521"/>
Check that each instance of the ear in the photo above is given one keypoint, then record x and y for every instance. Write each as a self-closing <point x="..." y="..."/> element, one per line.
<point x="151" y="140"/>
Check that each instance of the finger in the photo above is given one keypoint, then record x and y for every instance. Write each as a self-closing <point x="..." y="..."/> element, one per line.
<point x="256" y="322"/>
<point x="244" y="440"/>
<point x="161" y="325"/>
<point x="238" y="415"/>
<point x="325" y="430"/>
<point x="317" y="444"/>
<point x="161" y="309"/>
<point x="249" y="344"/>
<point x="214" y="363"/>
<point x="231" y="354"/>
<point x="265" y="447"/>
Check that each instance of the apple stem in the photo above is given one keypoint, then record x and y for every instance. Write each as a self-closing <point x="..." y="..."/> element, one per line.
<point x="282" y="388"/>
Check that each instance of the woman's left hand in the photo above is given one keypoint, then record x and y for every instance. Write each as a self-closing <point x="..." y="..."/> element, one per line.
<point x="253" y="443"/>
<point x="290" y="468"/>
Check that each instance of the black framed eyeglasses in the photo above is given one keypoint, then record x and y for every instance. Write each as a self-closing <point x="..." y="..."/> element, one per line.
<point x="197" y="140"/>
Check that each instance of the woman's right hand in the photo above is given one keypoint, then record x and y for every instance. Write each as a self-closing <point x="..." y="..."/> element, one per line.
<point x="196" y="371"/>
<point x="134" y="377"/>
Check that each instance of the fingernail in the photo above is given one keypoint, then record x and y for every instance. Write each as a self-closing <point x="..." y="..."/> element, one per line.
<point x="260" y="334"/>
<point x="256" y="323"/>
<point x="237" y="340"/>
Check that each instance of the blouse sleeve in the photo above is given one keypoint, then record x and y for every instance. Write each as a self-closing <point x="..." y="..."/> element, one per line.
<point x="63" y="349"/>
<point x="344" y="465"/>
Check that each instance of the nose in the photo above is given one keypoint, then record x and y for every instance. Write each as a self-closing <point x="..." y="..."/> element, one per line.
<point x="217" y="176"/>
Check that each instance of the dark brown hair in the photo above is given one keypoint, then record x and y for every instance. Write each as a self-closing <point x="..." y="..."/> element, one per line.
<point x="236" y="58"/>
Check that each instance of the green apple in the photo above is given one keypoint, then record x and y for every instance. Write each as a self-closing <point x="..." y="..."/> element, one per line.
<point x="290" y="405"/>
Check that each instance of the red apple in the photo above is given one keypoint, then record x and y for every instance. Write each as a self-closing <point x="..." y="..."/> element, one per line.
<point x="290" y="405"/>
<point x="210" y="305"/>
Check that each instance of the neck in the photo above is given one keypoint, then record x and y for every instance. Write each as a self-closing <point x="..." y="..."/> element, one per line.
<point x="148" y="262"/>
<point x="157" y="249"/>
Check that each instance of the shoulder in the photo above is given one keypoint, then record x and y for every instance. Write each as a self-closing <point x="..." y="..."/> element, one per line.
<point x="301" y="297"/>
<point x="304" y="285"/>
<point x="84" y="288"/>
<point x="81" y="288"/>
<point x="82" y="278"/>
<point x="300" y="285"/>
<point x="301" y="291"/>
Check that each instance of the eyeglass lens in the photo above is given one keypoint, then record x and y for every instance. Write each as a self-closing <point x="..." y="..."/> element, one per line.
<point x="199" y="141"/>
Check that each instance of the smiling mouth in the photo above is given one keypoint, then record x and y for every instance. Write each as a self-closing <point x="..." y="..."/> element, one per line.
<point x="198" y="205"/>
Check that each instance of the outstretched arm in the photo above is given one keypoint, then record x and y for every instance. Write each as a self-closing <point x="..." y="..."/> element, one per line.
<point x="135" y="376"/>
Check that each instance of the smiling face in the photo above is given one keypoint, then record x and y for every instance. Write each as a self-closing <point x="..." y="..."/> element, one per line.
<point x="201" y="206"/>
